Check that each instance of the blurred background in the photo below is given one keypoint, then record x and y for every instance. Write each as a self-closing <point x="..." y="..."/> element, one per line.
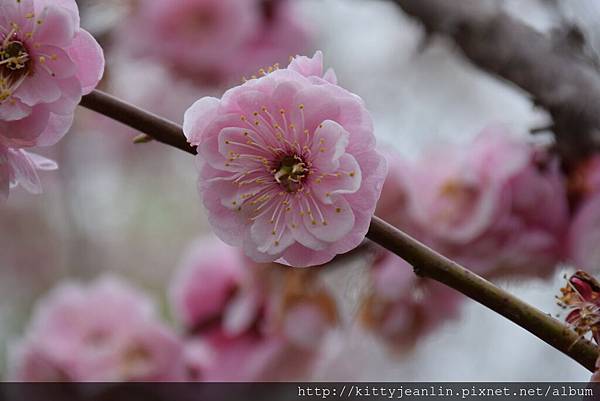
<point x="133" y="209"/>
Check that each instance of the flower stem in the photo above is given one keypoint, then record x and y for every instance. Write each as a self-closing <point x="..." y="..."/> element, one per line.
<point x="426" y="262"/>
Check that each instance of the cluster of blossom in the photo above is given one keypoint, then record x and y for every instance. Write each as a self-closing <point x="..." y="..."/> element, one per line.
<point x="580" y="297"/>
<point x="288" y="172"/>
<point x="239" y="321"/>
<point x="215" y="41"/>
<point x="498" y="205"/>
<point x="47" y="62"/>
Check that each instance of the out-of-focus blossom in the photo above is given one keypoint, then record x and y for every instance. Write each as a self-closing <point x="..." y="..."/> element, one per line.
<point x="288" y="166"/>
<point x="245" y="322"/>
<point x="46" y="63"/>
<point x="216" y="41"/>
<point x="584" y="232"/>
<point x="584" y="182"/>
<point x="104" y="331"/>
<point x="208" y="279"/>
<point x="584" y="235"/>
<point x="19" y="167"/>
<point x="404" y="308"/>
<point x="498" y="205"/>
<point x="581" y="297"/>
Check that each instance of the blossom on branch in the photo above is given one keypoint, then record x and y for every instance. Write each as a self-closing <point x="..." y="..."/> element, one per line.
<point x="46" y="63"/>
<point x="103" y="331"/>
<point x="581" y="297"/>
<point x="497" y="205"/>
<point x="403" y="308"/>
<point x="288" y="166"/>
<point x="584" y="232"/>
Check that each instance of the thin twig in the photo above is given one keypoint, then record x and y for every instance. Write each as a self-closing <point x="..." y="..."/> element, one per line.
<point x="567" y="87"/>
<point x="425" y="261"/>
<point x="159" y="128"/>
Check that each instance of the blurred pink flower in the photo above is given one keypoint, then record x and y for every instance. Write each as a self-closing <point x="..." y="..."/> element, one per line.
<point x="403" y="308"/>
<point x="288" y="166"/>
<point x="208" y="280"/>
<point x="242" y="325"/>
<point x="584" y="235"/>
<point x="215" y="41"/>
<point x="497" y="205"/>
<point x="584" y="232"/>
<point x="104" y="331"/>
<point x="46" y="63"/>
<point x="18" y="167"/>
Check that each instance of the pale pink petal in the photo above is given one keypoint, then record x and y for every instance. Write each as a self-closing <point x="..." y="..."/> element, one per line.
<point x="88" y="57"/>
<point x="57" y="126"/>
<point x="13" y="109"/>
<point x="332" y="222"/>
<point x="198" y="117"/>
<point x="55" y="26"/>
<point x="308" y="66"/>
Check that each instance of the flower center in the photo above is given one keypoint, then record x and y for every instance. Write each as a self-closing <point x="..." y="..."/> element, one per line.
<point x="291" y="172"/>
<point x="15" y="65"/>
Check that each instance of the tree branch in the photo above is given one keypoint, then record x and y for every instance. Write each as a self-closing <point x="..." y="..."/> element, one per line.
<point x="425" y="261"/>
<point x="567" y="87"/>
<point x="159" y="128"/>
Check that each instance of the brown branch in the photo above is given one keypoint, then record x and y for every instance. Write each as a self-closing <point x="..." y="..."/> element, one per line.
<point x="428" y="263"/>
<point x="567" y="87"/>
<point x="425" y="261"/>
<point x="159" y="128"/>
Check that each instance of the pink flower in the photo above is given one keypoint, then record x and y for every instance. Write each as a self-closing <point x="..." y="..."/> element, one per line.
<point x="105" y="331"/>
<point x="245" y="320"/>
<point x="581" y="297"/>
<point x="18" y="167"/>
<point x="46" y="63"/>
<point x="584" y="235"/>
<point x="215" y="41"/>
<point x="584" y="182"/>
<point x="209" y="278"/>
<point x="497" y="205"/>
<point x="403" y="308"/>
<point x="288" y="166"/>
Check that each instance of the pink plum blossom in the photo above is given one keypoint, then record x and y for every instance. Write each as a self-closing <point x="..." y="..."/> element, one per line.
<point x="103" y="331"/>
<point x="584" y="232"/>
<point x="288" y="166"/>
<point x="403" y="308"/>
<point x="46" y="63"/>
<point x="215" y="41"/>
<point x="244" y="320"/>
<point x="19" y="167"/>
<point x="498" y="205"/>
<point x="584" y="235"/>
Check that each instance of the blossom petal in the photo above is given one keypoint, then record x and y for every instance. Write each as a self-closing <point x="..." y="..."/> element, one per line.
<point x="308" y="66"/>
<point x="24" y="172"/>
<point x="13" y="109"/>
<point x="332" y="222"/>
<point x="329" y="144"/>
<point x="88" y="57"/>
<point x="40" y="87"/>
<point x="271" y="236"/>
<point x="198" y="117"/>
<point x="55" y="26"/>
<point x="346" y="180"/>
